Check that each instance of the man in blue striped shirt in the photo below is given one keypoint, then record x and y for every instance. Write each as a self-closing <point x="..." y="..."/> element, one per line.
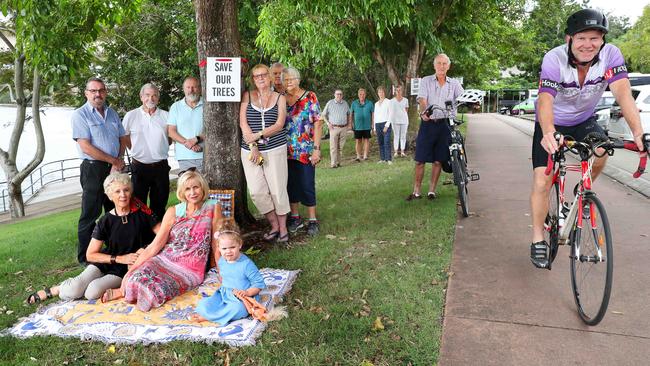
<point x="101" y="140"/>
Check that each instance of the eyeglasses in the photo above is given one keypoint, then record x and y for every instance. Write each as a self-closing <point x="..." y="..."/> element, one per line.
<point x="95" y="91"/>
<point x="261" y="76"/>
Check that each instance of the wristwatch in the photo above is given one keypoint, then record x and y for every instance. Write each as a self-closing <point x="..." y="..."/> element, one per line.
<point x="316" y="147"/>
<point x="113" y="259"/>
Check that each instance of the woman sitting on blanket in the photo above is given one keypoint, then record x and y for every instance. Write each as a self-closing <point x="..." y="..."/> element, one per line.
<point x="117" y="240"/>
<point x="175" y="261"/>
<point x="239" y="277"/>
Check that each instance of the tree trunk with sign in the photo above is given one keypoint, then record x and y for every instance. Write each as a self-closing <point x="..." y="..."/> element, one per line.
<point x="217" y="34"/>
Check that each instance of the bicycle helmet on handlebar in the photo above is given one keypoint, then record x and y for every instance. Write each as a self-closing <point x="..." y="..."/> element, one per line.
<point x="583" y="20"/>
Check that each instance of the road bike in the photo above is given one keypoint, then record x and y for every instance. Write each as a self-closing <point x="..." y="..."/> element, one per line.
<point x="457" y="156"/>
<point x="583" y="224"/>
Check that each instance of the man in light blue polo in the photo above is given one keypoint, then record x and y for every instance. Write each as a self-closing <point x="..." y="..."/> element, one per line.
<point x="101" y="142"/>
<point x="185" y="126"/>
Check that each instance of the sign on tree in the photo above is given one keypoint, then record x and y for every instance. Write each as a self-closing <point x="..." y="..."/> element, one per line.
<point x="223" y="79"/>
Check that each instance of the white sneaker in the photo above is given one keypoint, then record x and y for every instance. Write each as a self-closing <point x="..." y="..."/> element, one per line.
<point x="380" y="162"/>
<point x="395" y="155"/>
<point x="390" y="162"/>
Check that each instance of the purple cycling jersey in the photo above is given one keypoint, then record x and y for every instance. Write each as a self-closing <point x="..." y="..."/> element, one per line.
<point x="574" y="104"/>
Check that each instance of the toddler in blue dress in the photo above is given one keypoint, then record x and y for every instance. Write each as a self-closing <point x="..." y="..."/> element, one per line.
<point x="239" y="276"/>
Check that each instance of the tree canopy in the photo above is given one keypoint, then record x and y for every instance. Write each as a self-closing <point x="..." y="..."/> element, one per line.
<point x="635" y="44"/>
<point x="398" y="35"/>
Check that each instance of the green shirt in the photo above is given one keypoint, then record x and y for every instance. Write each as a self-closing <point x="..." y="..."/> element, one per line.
<point x="362" y="114"/>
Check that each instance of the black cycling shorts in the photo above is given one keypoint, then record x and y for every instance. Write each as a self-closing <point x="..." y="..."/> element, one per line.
<point x="578" y="132"/>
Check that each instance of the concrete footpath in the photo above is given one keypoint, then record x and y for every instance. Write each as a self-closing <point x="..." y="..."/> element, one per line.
<point x="500" y="310"/>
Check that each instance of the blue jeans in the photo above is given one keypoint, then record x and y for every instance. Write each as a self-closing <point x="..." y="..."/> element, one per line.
<point x="384" y="141"/>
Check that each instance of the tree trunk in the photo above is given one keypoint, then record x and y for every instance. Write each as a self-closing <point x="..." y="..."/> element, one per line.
<point x="217" y="34"/>
<point x="413" y="65"/>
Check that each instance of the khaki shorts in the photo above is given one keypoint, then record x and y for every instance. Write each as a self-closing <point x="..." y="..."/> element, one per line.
<point x="267" y="183"/>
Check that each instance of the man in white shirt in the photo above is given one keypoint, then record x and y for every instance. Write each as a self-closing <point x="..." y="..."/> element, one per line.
<point x="337" y="116"/>
<point x="146" y="132"/>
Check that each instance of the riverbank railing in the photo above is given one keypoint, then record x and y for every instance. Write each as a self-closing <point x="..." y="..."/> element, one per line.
<point x="54" y="171"/>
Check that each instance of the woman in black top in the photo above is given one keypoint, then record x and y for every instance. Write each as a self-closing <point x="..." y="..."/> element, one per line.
<point x="116" y="241"/>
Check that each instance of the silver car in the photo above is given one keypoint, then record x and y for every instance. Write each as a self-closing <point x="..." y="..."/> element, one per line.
<point x="618" y="126"/>
<point x="603" y="109"/>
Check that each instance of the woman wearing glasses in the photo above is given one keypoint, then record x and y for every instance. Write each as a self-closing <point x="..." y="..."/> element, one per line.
<point x="264" y="151"/>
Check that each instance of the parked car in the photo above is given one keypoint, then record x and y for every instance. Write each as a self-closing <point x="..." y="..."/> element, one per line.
<point x="527" y="106"/>
<point x="603" y="109"/>
<point x="618" y="126"/>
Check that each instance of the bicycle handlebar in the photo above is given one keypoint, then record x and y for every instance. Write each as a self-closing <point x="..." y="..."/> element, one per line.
<point x="595" y="141"/>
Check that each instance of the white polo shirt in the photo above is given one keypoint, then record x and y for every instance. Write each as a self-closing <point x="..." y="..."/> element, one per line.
<point x="148" y="134"/>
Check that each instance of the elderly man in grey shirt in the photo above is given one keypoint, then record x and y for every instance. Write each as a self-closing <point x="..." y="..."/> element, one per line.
<point x="337" y="116"/>
<point x="432" y="143"/>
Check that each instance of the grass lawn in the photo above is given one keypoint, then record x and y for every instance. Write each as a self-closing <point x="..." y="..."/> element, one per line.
<point x="377" y="257"/>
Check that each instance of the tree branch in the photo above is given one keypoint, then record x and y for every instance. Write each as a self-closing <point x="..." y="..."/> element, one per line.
<point x="138" y="51"/>
<point x="38" y="130"/>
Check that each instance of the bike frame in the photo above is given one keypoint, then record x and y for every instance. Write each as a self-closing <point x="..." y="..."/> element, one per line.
<point x="585" y="169"/>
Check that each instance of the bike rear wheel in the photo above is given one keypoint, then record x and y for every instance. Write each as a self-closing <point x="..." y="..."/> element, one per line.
<point x="552" y="222"/>
<point x="592" y="261"/>
<point x="459" y="168"/>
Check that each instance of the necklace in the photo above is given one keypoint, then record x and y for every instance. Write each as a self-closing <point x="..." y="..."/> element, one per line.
<point x="124" y="217"/>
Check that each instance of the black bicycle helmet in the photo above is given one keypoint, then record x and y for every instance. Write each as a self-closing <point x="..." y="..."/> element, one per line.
<point x="586" y="19"/>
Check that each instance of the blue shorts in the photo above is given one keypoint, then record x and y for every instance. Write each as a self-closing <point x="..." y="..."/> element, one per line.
<point x="301" y="184"/>
<point x="432" y="143"/>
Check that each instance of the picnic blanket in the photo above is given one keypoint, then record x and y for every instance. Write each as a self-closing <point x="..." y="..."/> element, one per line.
<point x="122" y="323"/>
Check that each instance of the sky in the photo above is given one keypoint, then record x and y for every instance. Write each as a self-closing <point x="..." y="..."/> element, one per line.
<point x="630" y="8"/>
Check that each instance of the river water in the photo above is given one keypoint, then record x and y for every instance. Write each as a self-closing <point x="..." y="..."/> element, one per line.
<point x="56" y="128"/>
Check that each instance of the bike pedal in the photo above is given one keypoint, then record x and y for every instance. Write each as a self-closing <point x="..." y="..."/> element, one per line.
<point x="474" y="177"/>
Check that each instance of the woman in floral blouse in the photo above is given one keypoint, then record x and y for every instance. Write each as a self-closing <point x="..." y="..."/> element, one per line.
<point x="304" y="129"/>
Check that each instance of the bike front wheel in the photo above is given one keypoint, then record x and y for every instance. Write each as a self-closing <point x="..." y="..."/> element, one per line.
<point x="592" y="261"/>
<point x="459" y="168"/>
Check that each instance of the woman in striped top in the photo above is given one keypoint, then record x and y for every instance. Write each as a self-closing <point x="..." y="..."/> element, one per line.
<point x="264" y="151"/>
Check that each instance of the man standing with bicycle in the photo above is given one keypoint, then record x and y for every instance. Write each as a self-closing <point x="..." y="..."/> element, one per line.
<point x="572" y="80"/>
<point x="432" y="143"/>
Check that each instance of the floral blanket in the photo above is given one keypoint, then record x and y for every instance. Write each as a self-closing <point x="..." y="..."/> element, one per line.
<point x="120" y="322"/>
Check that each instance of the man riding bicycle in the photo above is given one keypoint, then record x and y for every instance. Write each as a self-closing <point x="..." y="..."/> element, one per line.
<point x="572" y="80"/>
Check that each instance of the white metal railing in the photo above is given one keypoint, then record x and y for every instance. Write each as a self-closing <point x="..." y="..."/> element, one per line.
<point x="55" y="171"/>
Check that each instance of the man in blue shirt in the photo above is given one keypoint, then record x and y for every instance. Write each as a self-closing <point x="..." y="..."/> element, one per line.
<point x="101" y="141"/>
<point x="361" y="112"/>
<point x="185" y="126"/>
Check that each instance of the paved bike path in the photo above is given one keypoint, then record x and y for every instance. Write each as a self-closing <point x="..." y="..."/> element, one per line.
<point x="500" y="310"/>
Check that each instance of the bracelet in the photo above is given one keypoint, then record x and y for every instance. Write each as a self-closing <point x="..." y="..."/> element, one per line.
<point x="252" y="145"/>
<point x="198" y="139"/>
<point x="113" y="259"/>
<point x="316" y="147"/>
<point x="261" y="136"/>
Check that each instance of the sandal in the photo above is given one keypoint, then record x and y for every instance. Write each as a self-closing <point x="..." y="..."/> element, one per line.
<point x="283" y="239"/>
<point x="539" y="254"/>
<point x="109" y="295"/>
<point x="271" y="235"/>
<point x="413" y="196"/>
<point x="35" y="298"/>
<point x="432" y="196"/>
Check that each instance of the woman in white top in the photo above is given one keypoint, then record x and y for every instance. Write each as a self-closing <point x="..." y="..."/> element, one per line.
<point x="382" y="126"/>
<point x="398" y="116"/>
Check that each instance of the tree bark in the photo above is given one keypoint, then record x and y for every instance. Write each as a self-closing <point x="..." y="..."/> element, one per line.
<point x="217" y="34"/>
